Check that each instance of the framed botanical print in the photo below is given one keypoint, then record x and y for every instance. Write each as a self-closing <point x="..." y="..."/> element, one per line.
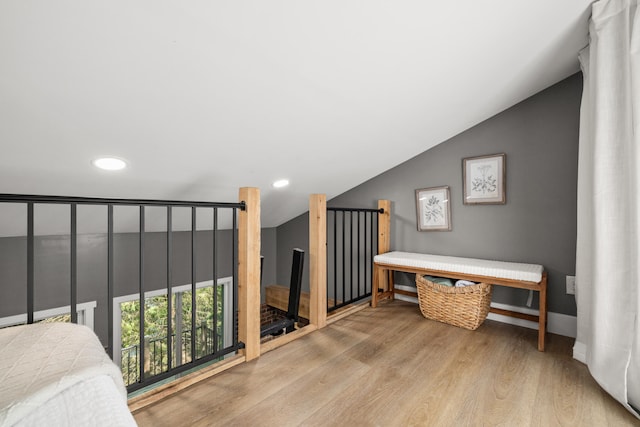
<point x="484" y="180"/>
<point x="433" y="209"/>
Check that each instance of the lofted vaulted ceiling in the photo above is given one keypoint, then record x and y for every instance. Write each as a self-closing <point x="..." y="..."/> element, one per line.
<point x="203" y="97"/>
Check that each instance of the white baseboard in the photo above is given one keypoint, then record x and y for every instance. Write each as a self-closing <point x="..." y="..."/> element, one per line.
<point x="406" y="297"/>
<point x="557" y="323"/>
<point x="580" y="352"/>
<point x="562" y="324"/>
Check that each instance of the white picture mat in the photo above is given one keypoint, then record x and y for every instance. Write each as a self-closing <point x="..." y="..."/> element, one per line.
<point x="433" y="209"/>
<point x="484" y="179"/>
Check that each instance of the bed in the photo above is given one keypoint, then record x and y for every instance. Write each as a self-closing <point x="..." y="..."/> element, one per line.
<point x="59" y="374"/>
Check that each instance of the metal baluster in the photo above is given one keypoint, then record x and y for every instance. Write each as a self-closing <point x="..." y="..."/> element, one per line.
<point x="74" y="263"/>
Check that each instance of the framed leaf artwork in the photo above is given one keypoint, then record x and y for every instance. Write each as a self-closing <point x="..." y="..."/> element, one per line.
<point x="433" y="209"/>
<point x="484" y="180"/>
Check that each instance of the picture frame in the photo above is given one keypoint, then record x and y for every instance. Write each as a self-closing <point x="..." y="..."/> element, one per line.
<point x="433" y="209"/>
<point x="484" y="180"/>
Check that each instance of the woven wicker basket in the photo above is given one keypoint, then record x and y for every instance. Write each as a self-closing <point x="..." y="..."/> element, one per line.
<point x="466" y="307"/>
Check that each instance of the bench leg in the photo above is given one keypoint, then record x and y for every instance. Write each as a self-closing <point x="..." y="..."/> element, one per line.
<point x="542" y="320"/>
<point x="381" y="290"/>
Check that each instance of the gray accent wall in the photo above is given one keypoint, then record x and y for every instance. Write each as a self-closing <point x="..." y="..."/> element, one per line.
<point x="293" y="234"/>
<point x="536" y="225"/>
<point x="52" y="267"/>
<point x="269" y="250"/>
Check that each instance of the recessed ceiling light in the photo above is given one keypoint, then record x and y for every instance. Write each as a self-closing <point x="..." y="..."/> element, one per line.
<point x="109" y="163"/>
<point x="280" y="183"/>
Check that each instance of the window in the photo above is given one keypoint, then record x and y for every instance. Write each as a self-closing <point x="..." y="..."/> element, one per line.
<point x="85" y="315"/>
<point x="126" y="327"/>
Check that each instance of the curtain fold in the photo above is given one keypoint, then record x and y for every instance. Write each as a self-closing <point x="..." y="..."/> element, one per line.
<point x="607" y="268"/>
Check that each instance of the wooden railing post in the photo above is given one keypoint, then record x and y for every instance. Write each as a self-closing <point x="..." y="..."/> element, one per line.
<point x="318" y="260"/>
<point x="249" y="272"/>
<point x="384" y="226"/>
<point x="384" y="237"/>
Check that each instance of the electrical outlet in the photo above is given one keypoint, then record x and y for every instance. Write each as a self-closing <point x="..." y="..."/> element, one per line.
<point x="571" y="285"/>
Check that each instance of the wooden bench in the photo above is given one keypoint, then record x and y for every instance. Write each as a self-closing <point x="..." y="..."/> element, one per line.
<point x="514" y="275"/>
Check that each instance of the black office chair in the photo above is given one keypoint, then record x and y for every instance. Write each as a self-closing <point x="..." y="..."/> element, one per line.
<point x="287" y="324"/>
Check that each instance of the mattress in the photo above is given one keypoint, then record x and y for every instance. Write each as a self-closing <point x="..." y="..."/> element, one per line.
<point x="471" y="266"/>
<point x="59" y="374"/>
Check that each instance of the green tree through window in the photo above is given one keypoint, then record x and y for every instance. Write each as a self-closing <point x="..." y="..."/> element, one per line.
<point x="155" y="331"/>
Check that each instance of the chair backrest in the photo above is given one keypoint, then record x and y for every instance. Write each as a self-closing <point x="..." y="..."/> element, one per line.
<point x="296" y="284"/>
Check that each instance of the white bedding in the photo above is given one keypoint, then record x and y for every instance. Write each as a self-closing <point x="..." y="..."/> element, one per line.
<point x="59" y="374"/>
<point x="479" y="267"/>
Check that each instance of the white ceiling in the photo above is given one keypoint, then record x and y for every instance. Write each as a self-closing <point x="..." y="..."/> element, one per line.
<point x="203" y="97"/>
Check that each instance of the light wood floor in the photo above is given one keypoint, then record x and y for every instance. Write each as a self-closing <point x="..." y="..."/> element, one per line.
<point x="391" y="367"/>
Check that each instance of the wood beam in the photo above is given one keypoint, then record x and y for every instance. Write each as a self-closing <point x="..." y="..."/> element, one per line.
<point x="318" y="260"/>
<point x="249" y="272"/>
<point x="384" y="226"/>
<point x="384" y="246"/>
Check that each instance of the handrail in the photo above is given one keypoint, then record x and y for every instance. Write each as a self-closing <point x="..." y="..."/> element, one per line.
<point x="144" y="378"/>
<point x="351" y="252"/>
<point x="380" y="210"/>
<point x="4" y="197"/>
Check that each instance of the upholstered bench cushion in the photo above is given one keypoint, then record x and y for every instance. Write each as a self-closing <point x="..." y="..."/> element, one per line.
<point x="471" y="266"/>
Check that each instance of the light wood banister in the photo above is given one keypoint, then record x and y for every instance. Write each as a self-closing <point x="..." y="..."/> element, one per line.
<point x="318" y="260"/>
<point x="384" y="226"/>
<point x="384" y="246"/>
<point x="249" y="272"/>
